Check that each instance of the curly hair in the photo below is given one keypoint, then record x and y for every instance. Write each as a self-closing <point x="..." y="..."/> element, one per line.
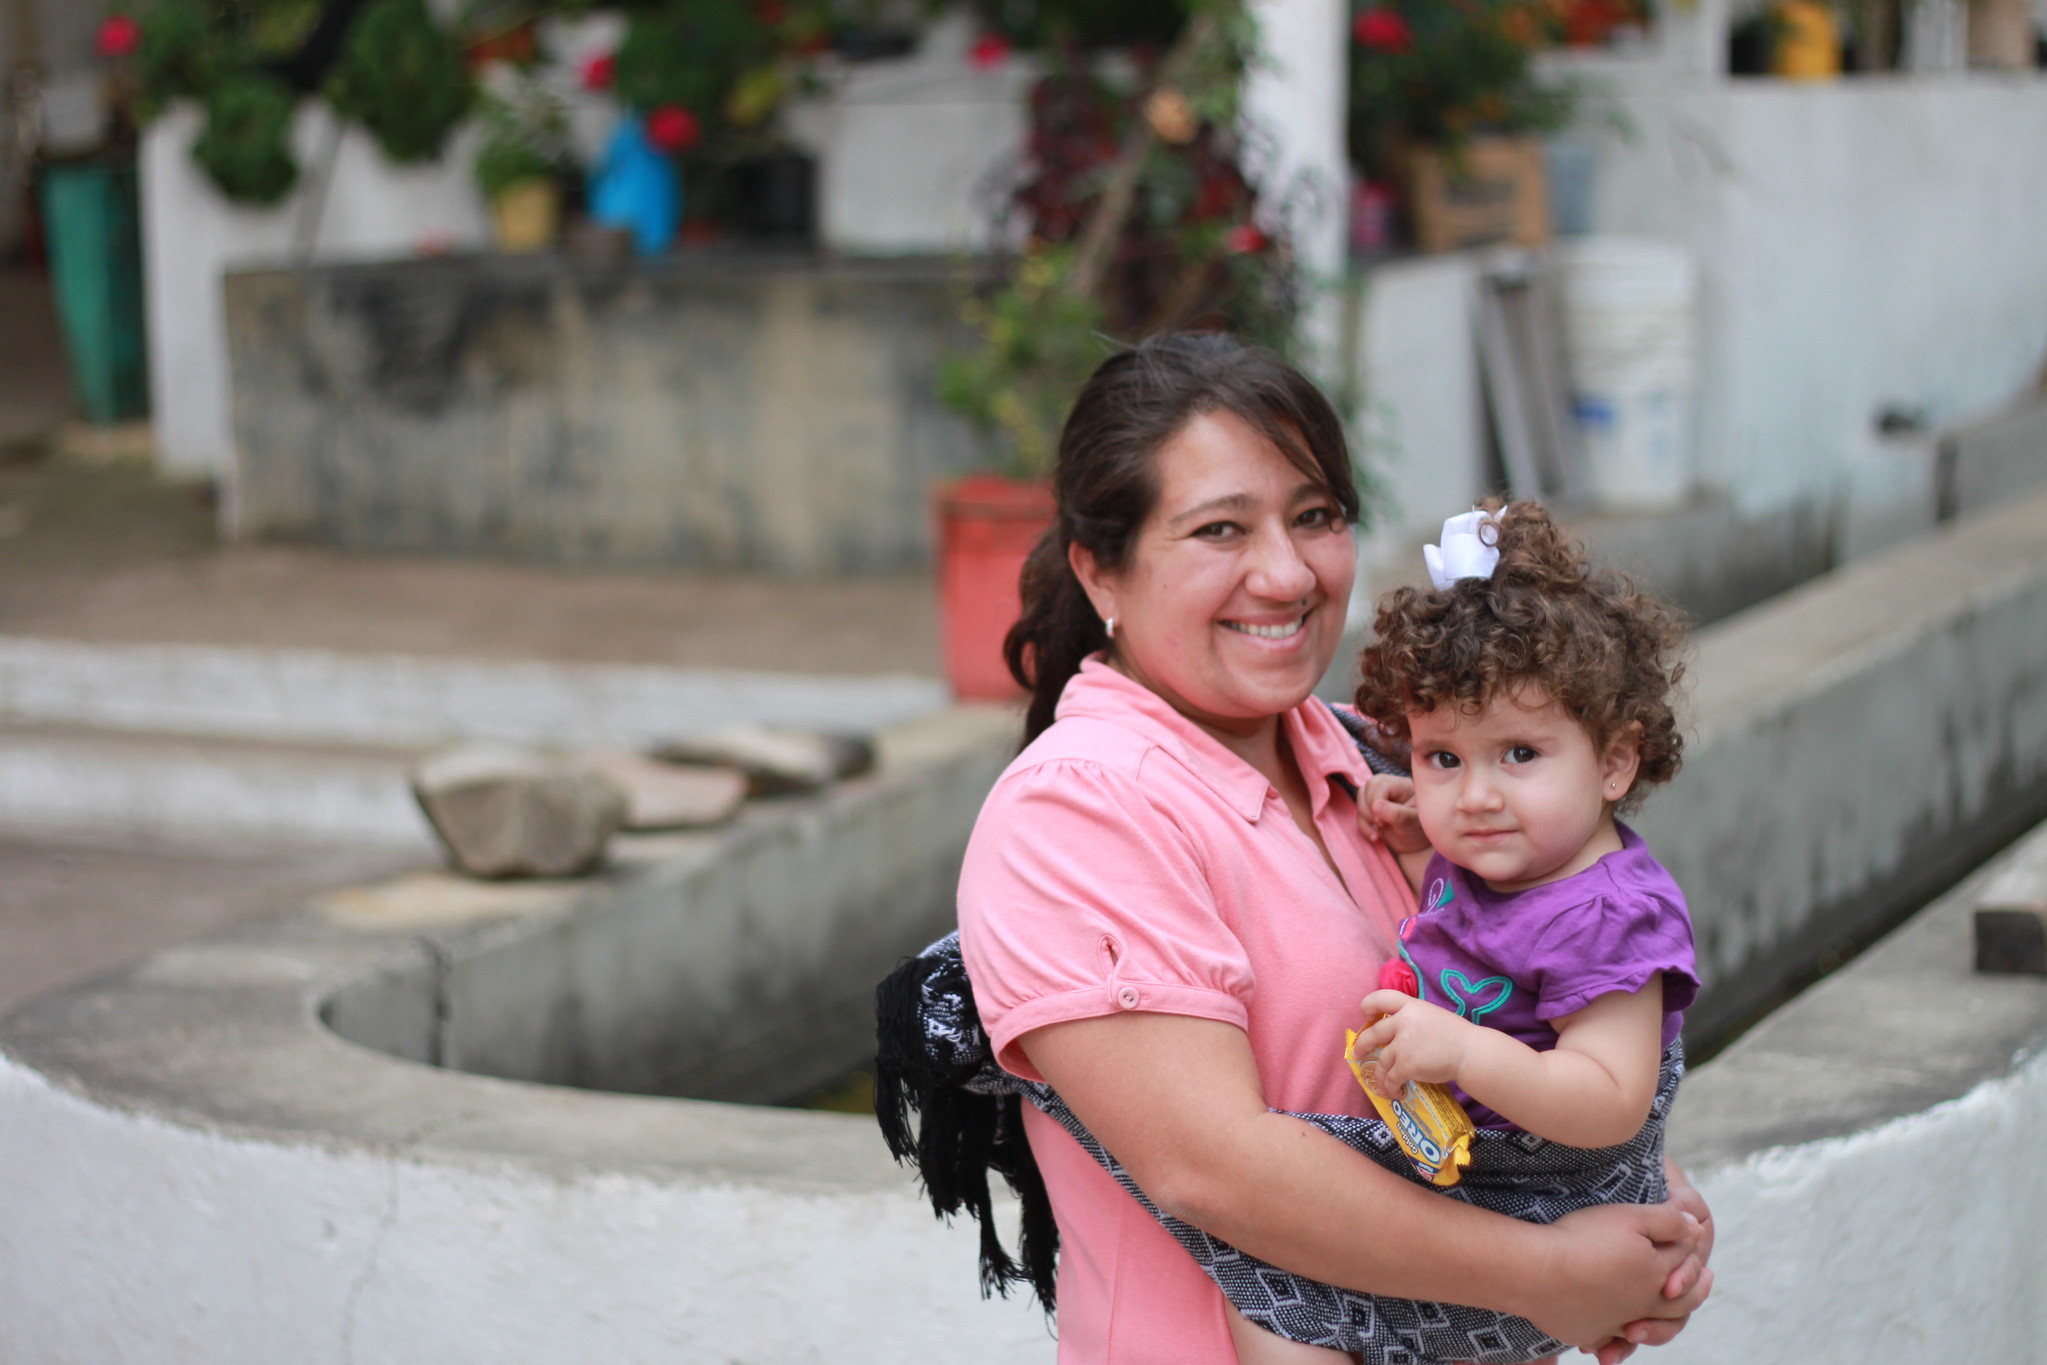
<point x="1591" y="641"/>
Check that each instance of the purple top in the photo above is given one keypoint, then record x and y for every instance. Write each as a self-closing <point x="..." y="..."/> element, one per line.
<point x="1515" y="960"/>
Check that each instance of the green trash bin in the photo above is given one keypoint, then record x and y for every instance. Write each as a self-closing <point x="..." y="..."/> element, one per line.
<point x="92" y="222"/>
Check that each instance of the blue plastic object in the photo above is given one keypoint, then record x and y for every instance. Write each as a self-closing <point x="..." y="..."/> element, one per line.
<point x="638" y="188"/>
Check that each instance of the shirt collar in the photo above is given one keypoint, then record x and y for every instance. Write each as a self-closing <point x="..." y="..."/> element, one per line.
<point x="1322" y="747"/>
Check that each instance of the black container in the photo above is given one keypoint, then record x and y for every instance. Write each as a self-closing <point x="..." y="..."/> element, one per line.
<point x="774" y="198"/>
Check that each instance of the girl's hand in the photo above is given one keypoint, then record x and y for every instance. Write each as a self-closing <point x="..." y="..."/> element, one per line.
<point x="1387" y="814"/>
<point x="1416" y="1041"/>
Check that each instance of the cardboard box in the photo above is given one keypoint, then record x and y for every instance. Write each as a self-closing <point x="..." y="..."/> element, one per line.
<point x="1493" y="189"/>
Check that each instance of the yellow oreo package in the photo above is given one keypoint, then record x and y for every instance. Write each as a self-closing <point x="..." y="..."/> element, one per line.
<point x="1431" y="1126"/>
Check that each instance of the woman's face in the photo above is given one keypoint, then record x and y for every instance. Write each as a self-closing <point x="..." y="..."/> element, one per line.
<point x="1230" y="604"/>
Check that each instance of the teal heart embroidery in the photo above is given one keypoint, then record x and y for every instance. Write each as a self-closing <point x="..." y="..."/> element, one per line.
<point x="1471" y="1001"/>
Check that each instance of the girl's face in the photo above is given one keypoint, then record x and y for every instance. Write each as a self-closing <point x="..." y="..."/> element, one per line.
<point x="1230" y="604"/>
<point x="1516" y="791"/>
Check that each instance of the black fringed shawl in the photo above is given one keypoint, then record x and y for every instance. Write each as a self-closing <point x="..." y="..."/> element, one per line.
<point x="932" y="1057"/>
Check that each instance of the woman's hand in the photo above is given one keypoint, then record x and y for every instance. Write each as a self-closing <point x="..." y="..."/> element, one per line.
<point x="1387" y="814"/>
<point x="1611" y="1259"/>
<point x="1693" y="1273"/>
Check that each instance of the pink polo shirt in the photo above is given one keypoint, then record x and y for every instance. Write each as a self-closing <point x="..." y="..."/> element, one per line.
<point x="1128" y="861"/>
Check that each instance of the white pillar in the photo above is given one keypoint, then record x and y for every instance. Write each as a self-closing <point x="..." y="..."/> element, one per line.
<point x="192" y="235"/>
<point x="1295" y="99"/>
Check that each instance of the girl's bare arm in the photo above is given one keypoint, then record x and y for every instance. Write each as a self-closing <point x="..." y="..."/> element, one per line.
<point x="1592" y="1090"/>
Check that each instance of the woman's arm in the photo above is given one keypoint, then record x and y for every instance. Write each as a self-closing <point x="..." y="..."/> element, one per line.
<point x="1592" y="1090"/>
<point x="1178" y="1101"/>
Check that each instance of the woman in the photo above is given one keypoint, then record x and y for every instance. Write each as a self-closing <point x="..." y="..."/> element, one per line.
<point x="1166" y="910"/>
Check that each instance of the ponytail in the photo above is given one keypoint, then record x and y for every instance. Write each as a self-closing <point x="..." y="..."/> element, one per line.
<point x="1058" y="629"/>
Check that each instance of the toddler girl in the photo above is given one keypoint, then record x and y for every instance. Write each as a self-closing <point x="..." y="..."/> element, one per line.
<point x="1546" y="974"/>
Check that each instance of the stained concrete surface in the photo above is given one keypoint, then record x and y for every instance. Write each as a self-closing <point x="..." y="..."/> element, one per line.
<point x="70" y="911"/>
<point x="114" y="554"/>
<point x="35" y="395"/>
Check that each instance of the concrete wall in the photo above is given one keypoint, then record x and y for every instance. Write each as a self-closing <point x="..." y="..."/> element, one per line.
<point x="297" y="1197"/>
<point x="1857" y="744"/>
<point x="736" y="965"/>
<point x="966" y="127"/>
<point x="1862" y="244"/>
<point x="1870" y="1153"/>
<point x="718" y="411"/>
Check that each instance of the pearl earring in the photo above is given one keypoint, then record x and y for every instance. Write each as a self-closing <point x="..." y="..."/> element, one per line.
<point x="1110" y="626"/>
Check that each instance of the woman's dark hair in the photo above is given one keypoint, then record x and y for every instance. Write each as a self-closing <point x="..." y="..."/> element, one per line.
<point x="1591" y="641"/>
<point x="1105" y="482"/>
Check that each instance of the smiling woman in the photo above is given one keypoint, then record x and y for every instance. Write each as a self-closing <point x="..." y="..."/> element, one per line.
<point x="1168" y="913"/>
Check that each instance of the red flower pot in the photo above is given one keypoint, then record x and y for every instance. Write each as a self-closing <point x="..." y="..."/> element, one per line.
<point x="986" y="528"/>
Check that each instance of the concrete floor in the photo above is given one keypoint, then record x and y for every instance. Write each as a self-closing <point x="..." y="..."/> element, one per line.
<point x="35" y="396"/>
<point x="73" y="911"/>
<point x="111" y="553"/>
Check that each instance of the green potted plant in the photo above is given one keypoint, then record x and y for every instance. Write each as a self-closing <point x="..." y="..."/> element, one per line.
<point x="1444" y="100"/>
<point x="521" y="162"/>
<point x="385" y="64"/>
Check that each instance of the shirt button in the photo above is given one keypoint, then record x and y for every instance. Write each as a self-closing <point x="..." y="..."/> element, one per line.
<point x="1127" y="997"/>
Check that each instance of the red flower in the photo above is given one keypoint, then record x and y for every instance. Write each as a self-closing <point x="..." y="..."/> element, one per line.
<point x="599" y="70"/>
<point x="119" y="36"/>
<point x="1396" y="975"/>
<point x="770" y="13"/>
<point x="989" y="51"/>
<point x="1382" y="30"/>
<point x="1245" y="239"/>
<point x="673" y="128"/>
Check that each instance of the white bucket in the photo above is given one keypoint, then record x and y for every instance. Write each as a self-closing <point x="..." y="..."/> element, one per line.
<point x="1629" y="314"/>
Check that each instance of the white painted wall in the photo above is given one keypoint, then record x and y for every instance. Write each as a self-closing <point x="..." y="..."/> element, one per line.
<point x="1421" y="431"/>
<point x="191" y="234"/>
<point x="1914" y="1241"/>
<point x="1862" y="243"/>
<point x="265" y="1252"/>
<point x="916" y="153"/>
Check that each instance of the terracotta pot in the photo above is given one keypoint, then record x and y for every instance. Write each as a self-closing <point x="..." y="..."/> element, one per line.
<point x="986" y="528"/>
<point x="526" y="216"/>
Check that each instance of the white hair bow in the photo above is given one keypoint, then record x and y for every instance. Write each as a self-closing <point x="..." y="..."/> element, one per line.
<point x="1464" y="553"/>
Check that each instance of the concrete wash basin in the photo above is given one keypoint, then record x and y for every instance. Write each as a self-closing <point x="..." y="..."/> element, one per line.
<point x="736" y="965"/>
<point x="321" y="1138"/>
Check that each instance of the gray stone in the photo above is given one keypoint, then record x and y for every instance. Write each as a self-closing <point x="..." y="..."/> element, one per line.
<point x="508" y="813"/>
<point x="666" y="795"/>
<point x="775" y="761"/>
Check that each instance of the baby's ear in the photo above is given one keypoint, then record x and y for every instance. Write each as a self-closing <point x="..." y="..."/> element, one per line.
<point x="1623" y="759"/>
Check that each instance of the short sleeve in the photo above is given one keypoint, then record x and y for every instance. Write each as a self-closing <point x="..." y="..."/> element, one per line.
<point x="1080" y="898"/>
<point x="1615" y="943"/>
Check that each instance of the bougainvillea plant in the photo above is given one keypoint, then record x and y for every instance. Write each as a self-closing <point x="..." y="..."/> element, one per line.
<point x="1439" y="72"/>
<point x="1136" y="211"/>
